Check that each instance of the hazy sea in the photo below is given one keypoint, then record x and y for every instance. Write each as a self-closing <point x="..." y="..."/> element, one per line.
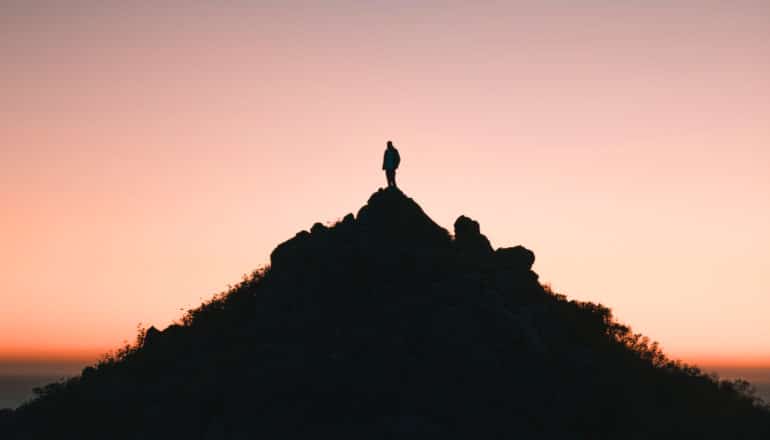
<point x="16" y="387"/>
<point x="18" y="378"/>
<point x="758" y="377"/>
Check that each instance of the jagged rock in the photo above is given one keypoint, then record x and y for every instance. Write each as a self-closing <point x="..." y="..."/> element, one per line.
<point x="318" y="228"/>
<point x="345" y="228"/>
<point x="469" y="239"/>
<point x="171" y="330"/>
<point x="151" y="336"/>
<point x="516" y="258"/>
<point x="287" y="253"/>
<point x="466" y="227"/>
<point x="346" y="224"/>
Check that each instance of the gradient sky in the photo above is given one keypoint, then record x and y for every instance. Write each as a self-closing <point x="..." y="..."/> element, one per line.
<point x="152" y="152"/>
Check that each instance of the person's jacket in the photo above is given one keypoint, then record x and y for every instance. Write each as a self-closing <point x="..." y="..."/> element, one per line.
<point x="391" y="160"/>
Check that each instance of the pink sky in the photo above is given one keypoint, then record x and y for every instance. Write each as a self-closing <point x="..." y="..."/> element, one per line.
<point x="151" y="154"/>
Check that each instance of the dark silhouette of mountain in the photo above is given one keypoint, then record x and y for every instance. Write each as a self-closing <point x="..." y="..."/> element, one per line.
<point x="385" y="325"/>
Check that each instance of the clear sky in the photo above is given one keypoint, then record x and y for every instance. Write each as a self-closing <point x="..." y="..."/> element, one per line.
<point x="152" y="152"/>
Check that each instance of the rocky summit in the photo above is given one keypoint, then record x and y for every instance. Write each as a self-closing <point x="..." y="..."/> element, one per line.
<point x="385" y="325"/>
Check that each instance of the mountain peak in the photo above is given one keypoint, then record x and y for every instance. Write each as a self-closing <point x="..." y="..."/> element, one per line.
<point x="390" y="217"/>
<point x="389" y="223"/>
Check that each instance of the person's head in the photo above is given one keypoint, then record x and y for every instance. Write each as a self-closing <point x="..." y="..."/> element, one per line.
<point x="390" y="144"/>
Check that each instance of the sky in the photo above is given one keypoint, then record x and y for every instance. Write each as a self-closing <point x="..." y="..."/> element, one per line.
<point x="153" y="152"/>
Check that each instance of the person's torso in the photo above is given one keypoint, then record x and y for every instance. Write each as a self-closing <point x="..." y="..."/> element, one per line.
<point x="390" y="159"/>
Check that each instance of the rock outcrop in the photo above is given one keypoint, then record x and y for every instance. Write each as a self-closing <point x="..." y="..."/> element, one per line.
<point x="515" y="258"/>
<point x="469" y="239"/>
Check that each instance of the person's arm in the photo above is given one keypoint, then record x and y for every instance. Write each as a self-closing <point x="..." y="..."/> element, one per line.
<point x="384" y="159"/>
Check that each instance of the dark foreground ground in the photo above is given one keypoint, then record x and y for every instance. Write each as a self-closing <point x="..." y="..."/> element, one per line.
<point x="16" y="388"/>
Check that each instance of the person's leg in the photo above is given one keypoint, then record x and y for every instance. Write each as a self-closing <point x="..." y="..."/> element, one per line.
<point x="389" y="174"/>
<point x="393" y="178"/>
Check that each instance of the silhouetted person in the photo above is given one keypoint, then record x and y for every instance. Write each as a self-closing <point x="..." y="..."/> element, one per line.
<point x="390" y="163"/>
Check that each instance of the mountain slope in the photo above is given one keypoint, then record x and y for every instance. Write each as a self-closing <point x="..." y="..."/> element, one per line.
<point x="385" y="325"/>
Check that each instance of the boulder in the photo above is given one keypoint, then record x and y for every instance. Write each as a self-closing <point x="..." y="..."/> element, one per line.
<point x="318" y="228"/>
<point x="517" y="258"/>
<point x="469" y="239"/>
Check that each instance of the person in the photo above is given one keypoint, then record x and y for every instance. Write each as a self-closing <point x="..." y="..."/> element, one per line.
<point x="390" y="163"/>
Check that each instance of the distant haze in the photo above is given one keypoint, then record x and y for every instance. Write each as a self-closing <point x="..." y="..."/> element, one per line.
<point x="19" y="378"/>
<point x="152" y="152"/>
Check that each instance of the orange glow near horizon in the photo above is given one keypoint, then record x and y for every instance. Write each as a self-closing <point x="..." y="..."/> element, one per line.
<point x="150" y="156"/>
